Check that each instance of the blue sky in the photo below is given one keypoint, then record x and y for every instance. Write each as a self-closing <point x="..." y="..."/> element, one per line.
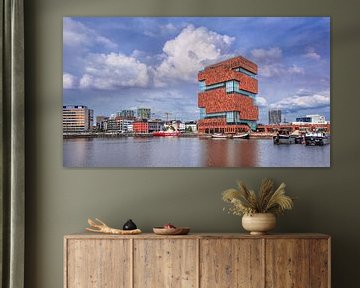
<point x="111" y="64"/>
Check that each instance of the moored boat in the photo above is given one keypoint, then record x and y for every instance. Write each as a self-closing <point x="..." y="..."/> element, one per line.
<point x="169" y="131"/>
<point x="219" y="136"/>
<point x="242" y="136"/>
<point x="318" y="138"/>
<point x="285" y="137"/>
<point x="165" y="133"/>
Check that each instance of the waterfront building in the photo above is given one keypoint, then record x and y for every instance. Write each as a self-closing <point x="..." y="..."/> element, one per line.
<point x="274" y="116"/>
<point x="101" y="123"/>
<point x="112" y="125"/>
<point x="144" y="113"/>
<point x="124" y="125"/>
<point x="316" y="118"/>
<point x="178" y="125"/>
<point x="155" y="125"/>
<point x="77" y="118"/>
<point x="227" y="96"/>
<point x="191" y="126"/>
<point x="127" y="114"/>
<point x="140" y="126"/>
<point x="118" y="124"/>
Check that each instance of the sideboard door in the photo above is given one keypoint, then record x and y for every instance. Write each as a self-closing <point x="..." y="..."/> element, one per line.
<point x="297" y="263"/>
<point x="170" y="263"/>
<point x="99" y="263"/>
<point x="231" y="263"/>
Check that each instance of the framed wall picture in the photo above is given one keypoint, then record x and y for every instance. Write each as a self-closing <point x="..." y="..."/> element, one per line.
<point x="196" y="92"/>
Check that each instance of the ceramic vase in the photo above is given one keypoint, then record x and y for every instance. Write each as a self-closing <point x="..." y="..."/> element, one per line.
<point x="259" y="223"/>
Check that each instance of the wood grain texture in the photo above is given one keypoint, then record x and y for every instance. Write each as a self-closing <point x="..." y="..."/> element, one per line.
<point x="98" y="264"/>
<point x="287" y="263"/>
<point x="231" y="263"/>
<point x="165" y="263"/>
<point x="88" y="235"/>
<point x="319" y="263"/>
<point x="197" y="260"/>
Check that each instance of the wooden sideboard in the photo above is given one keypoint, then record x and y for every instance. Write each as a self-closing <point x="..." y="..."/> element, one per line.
<point x="197" y="260"/>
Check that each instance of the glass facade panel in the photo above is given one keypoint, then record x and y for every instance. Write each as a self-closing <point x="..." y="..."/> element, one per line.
<point x="214" y="86"/>
<point x="232" y="86"/>
<point x="216" y="115"/>
<point x="246" y="93"/>
<point x="229" y="86"/>
<point x="202" y="86"/>
<point x="202" y="113"/>
<point x="242" y="70"/>
<point x="232" y="117"/>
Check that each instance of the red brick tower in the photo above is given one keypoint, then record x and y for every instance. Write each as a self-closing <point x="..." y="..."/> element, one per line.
<point x="227" y="96"/>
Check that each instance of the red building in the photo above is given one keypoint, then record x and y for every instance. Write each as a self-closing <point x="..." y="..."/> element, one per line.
<point x="227" y="96"/>
<point x="141" y="126"/>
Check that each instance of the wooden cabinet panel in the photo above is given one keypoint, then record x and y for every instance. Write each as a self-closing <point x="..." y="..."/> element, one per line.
<point x="287" y="263"/>
<point x="319" y="263"/>
<point x="231" y="263"/>
<point x="197" y="261"/>
<point x="98" y="264"/>
<point x="166" y="263"/>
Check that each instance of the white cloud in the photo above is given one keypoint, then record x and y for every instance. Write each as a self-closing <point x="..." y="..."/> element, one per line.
<point x="69" y="81"/>
<point x="76" y="34"/>
<point x="311" y="54"/>
<point x="279" y="69"/>
<point x="296" y="102"/>
<point x="294" y="69"/>
<point x="266" y="55"/>
<point x="109" y="71"/>
<point x="261" y="101"/>
<point x="269" y="61"/>
<point x="271" y="70"/>
<point x="187" y="53"/>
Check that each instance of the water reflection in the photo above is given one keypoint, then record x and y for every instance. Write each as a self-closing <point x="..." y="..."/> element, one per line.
<point x="189" y="152"/>
<point x="229" y="153"/>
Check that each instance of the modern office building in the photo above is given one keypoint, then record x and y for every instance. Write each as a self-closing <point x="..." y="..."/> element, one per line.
<point x="140" y="126"/>
<point x="227" y="96"/>
<point x="118" y="124"/>
<point x="144" y="113"/>
<point x="274" y="116"/>
<point x="191" y="126"/>
<point x="101" y="123"/>
<point x="77" y="118"/>
<point x="316" y="118"/>
<point x="155" y="125"/>
<point x="127" y="114"/>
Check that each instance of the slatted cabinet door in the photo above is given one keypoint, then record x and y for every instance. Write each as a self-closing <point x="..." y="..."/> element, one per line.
<point x="231" y="263"/>
<point x="297" y="263"/>
<point x="93" y="263"/>
<point x="197" y="261"/>
<point x="165" y="263"/>
<point x="320" y="264"/>
<point x="287" y="263"/>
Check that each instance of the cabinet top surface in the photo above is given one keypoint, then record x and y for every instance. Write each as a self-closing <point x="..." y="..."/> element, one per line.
<point x="86" y="235"/>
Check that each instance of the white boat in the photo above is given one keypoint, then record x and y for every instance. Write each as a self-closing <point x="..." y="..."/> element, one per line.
<point x="318" y="138"/>
<point x="285" y="137"/>
<point x="242" y="136"/>
<point x="169" y="131"/>
<point x="219" y="136"/>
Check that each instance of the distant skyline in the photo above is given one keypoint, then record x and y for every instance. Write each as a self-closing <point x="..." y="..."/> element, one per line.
<point x="114" y="64"/>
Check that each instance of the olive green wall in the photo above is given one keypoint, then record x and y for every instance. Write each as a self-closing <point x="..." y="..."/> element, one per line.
<point x="59" y="200"/>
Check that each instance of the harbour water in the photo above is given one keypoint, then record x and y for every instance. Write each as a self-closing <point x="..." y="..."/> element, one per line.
<point x="190" y="152"/>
